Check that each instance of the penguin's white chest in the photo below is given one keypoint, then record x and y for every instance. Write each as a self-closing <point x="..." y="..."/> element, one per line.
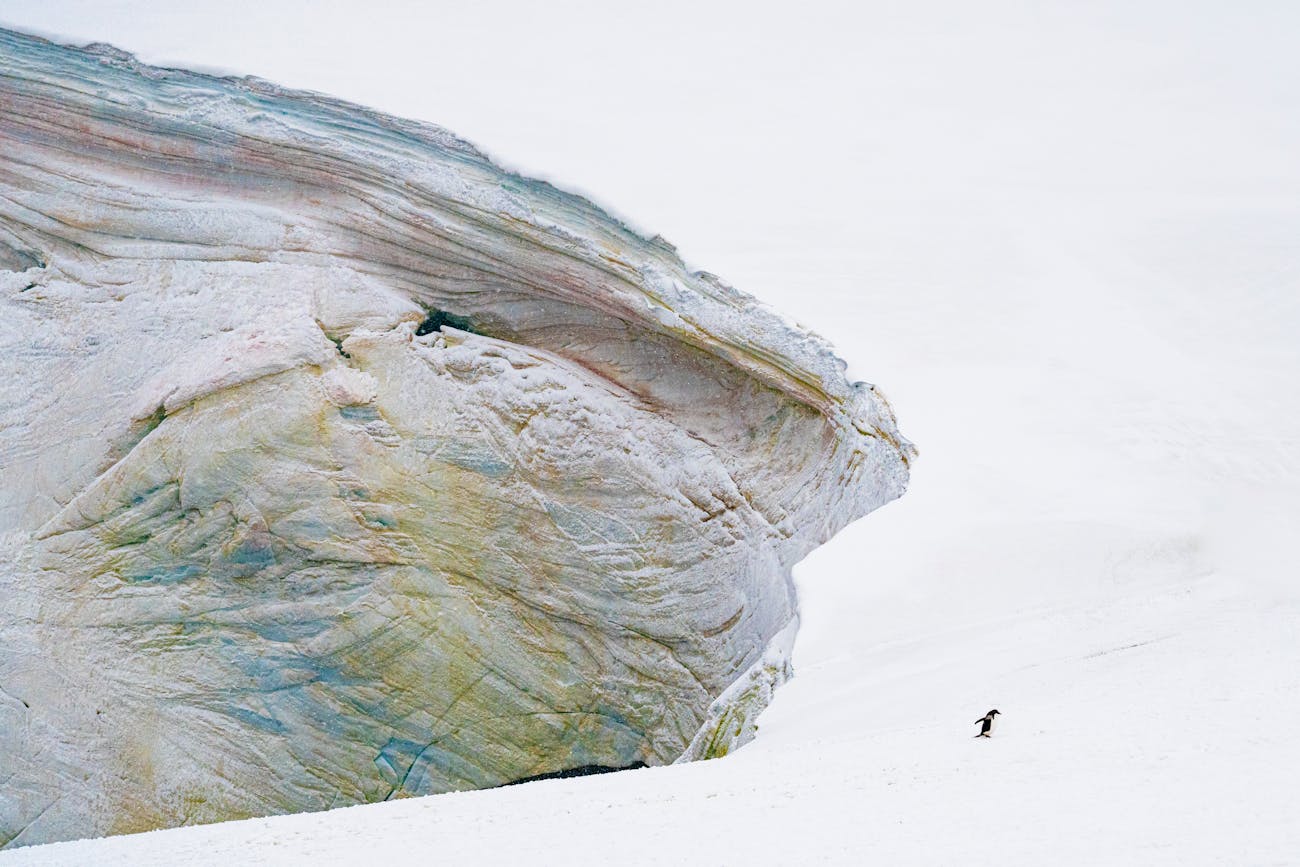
<point x="993" y="724"/>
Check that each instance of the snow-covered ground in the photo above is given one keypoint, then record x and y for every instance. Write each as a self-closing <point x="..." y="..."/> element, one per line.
<point x="1064" y="238"/>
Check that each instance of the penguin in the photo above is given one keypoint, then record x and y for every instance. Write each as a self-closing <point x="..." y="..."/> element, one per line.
<point x="987" y="723"/>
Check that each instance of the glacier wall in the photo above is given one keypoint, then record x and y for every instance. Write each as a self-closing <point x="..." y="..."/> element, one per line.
<point x="338" y="464"/>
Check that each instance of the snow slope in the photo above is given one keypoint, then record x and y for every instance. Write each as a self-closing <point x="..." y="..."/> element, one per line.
<point x="1065" y="239"/>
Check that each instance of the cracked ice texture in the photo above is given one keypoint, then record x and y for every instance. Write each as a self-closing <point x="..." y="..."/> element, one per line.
<point x="265" y="548"/>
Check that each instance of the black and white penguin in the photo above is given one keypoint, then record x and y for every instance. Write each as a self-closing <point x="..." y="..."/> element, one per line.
<point x="987" y="723"/>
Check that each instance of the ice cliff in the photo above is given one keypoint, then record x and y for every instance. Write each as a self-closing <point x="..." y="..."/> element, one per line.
<point x="338" y="464"/>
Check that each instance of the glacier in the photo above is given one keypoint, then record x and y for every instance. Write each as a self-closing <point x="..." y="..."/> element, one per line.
<point x="338" y="464"/>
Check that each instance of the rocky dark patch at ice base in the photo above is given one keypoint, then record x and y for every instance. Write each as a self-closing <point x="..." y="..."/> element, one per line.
<point x="337" y="464"/>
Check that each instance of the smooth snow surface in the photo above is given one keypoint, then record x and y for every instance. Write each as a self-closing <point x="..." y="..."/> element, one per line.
<point x="1064" y="238"/>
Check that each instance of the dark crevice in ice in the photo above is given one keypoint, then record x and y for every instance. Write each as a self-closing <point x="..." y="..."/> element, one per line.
<point x="438" y="318"/>
<point x="582" y="771"/>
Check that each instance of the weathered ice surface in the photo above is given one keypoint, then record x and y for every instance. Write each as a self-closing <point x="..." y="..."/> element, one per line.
<point x="338" y="464"/>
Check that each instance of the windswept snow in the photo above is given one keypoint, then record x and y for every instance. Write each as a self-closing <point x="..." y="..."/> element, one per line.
<point x="1067" y="237"/>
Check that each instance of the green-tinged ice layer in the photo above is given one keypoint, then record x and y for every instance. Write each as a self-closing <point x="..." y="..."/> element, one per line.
<point x="337" y="464"/>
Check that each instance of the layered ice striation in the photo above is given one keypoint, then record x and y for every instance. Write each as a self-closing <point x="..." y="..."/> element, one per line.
<point x="338" y="464"/>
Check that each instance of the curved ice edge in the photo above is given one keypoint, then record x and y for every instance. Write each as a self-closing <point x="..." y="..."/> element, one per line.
<point x="731" y="721"/>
